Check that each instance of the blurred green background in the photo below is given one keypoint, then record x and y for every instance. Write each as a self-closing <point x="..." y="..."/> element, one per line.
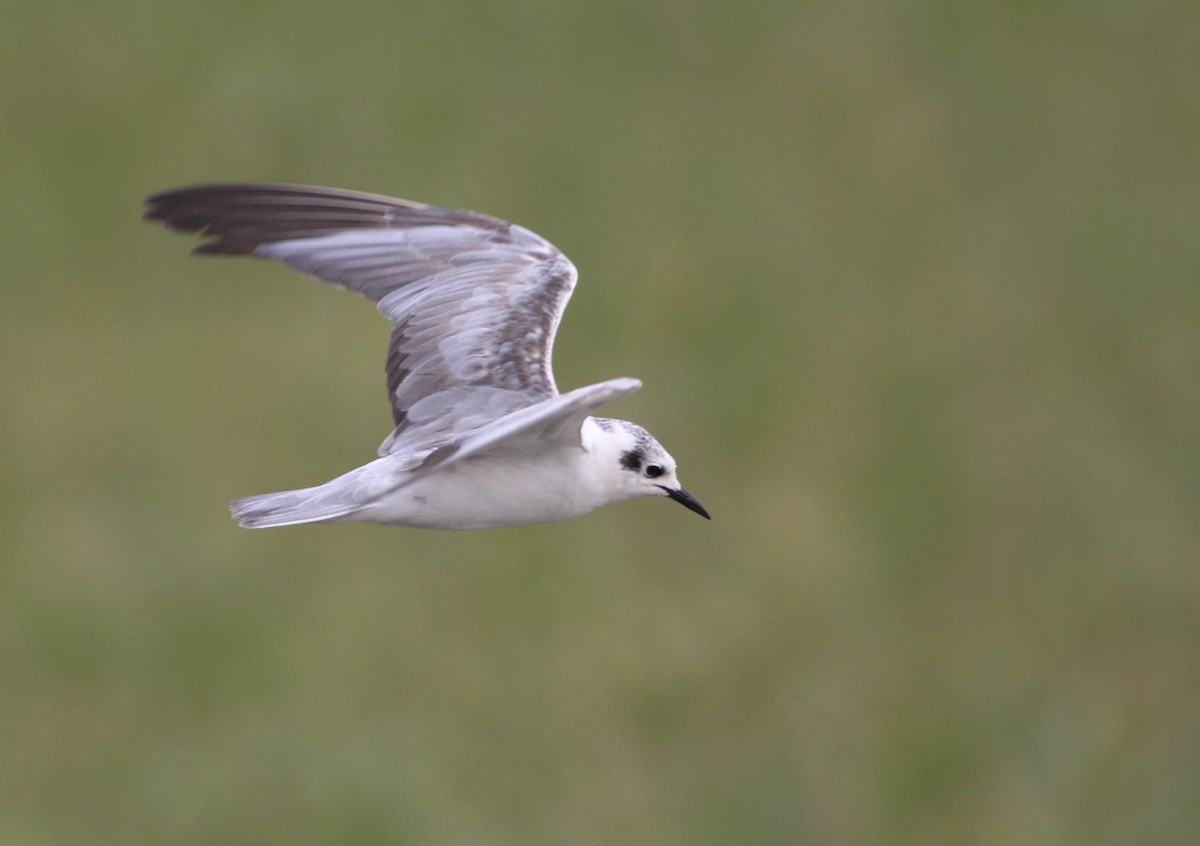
<point x="913" y="288"/>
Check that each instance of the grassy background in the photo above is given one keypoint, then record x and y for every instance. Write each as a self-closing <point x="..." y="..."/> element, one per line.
<point x="913" y="290"/>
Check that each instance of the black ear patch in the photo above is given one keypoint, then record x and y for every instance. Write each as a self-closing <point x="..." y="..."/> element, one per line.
<point x="632" y="459"/>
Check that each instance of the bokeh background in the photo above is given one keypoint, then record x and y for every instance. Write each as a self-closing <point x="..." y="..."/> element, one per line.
<point x="913" y="288"/>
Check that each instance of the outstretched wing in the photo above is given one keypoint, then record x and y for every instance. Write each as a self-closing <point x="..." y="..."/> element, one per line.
<point x="474" y="301"/>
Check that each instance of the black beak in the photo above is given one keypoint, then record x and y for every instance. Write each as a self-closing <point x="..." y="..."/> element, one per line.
<point x="686" y="500"/>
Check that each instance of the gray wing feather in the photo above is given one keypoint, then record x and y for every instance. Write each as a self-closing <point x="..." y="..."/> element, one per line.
<point x="474" y="301"/>
<point x="554" y="419"/>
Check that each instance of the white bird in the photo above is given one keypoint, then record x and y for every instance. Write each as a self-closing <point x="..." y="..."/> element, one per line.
<point x="482" y="436"/>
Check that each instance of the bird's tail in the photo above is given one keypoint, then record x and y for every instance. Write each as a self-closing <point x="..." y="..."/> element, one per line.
<point x="336" y="501"/>
<point x="289" y="508"/>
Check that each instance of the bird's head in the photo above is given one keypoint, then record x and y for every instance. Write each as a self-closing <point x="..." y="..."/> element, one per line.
<point x="634" y="463"/>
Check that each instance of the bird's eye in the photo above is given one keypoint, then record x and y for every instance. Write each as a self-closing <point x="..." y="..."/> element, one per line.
<point x="654" y="470"/>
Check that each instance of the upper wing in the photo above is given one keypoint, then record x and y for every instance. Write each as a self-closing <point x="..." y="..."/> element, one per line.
<point x="474" y="301"/>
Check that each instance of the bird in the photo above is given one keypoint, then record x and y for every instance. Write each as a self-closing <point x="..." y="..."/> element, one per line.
<point x="482" y="438"/>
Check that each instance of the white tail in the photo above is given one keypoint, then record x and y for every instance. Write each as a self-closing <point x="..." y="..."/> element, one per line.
<point x="289" y="508"/>
<point x="332" y="502"/>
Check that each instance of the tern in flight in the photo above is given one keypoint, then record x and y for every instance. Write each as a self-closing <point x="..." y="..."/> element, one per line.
<point x="482" y="436"/>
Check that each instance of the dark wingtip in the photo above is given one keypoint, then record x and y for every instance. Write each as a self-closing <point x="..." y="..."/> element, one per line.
<point x="214" y="212"/>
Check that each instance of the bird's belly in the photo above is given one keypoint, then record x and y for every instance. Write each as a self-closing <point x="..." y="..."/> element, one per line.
<point x="487" y="495"/>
